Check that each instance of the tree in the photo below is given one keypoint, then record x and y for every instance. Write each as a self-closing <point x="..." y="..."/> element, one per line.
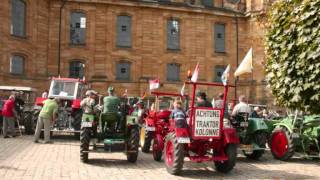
<point x="293" y="54"/>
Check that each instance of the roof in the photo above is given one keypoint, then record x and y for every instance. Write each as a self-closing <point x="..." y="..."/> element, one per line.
<point x="17" y="88"/>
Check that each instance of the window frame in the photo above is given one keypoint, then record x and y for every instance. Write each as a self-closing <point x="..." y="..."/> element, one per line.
<point x="81" y="62"/>
<point x="75" y="28"/>
<point x="118" y="41"/>
<point x="172" y="19"/>
<point x="23" y="64"/>
<point x="178" y="73"/>
<point x="129" y="71"/>
<point x="214" y="38"/>
<point x="24" y="35"/>
<point x="216" y="78"/>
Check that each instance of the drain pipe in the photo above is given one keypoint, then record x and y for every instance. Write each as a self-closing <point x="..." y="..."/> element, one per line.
<point x="59" y="41"/>
<point x="237" y="54"/>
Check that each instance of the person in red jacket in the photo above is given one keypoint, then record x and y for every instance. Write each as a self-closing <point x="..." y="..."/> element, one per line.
<point x="9" y="113"/>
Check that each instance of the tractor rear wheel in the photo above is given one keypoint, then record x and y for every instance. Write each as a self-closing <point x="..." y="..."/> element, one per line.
<point x="77" y="118"/>
<point x="133" y="145"/>
<point x="226" y="166"/>
<point x="84" y="144"/>
<point x="145" y="139"/>
<point x="282" y="146"/>
<point x="260" y="138"/>
<point x="174" y="154"/>
<point x="28" y="124"/>
<point x="156" y="151"/>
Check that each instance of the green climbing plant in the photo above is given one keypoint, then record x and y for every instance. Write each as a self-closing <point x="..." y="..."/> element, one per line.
<point x="293" y="54"/>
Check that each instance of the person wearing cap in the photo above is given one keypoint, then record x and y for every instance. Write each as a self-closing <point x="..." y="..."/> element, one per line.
<point x="88" y="103"/>
<point x="178" y="114"/>
<point x="9" y="113"/>
<point x="141" y="111"/>
<point x="48" y="115"/>
<point x="202" y="100"/>
<point x="111" y="103"/>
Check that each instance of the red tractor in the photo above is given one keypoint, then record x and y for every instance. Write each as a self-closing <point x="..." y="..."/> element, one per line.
<point x="202" y="137"/>
<point x="156" y="124"/>
<point x="70" y="92"/>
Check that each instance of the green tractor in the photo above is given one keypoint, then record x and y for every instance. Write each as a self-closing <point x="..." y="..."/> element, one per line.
<point x="295" y="134"/>
<point x="253" y="135"/>
<point x="108" y="135"/>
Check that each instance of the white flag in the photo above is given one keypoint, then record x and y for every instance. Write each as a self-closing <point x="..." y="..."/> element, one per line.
<point x="182" y="89"/>
<point x="225" y="75"/>
<point x="195" y="74"/>
<point x="246" y="65"/>
<point x="154" y="84"/>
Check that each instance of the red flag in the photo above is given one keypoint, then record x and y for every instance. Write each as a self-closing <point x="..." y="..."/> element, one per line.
<point x="154" y="84"/>
<point x="195" y="74"/>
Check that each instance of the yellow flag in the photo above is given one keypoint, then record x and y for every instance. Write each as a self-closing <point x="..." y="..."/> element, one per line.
<point x="246" y="64"/>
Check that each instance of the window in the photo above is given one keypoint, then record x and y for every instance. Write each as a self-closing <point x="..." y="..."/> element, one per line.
<point x="173" y="35"/>
<point x="76" y="69"/>
<point x="123" y="70"/>
<point x="219" y="38"/>
<point x="218" y="71"/>
<point x="18" y="15"/>
<point x="207" y="3"/>
<point x="124" y="31"/>
<point x="173" y="72"/>
<point x="17" y="65"/>
<point x="78" y="28"/>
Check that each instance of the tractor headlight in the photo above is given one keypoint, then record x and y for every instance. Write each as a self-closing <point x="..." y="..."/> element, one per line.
<point x="37" y="107"/>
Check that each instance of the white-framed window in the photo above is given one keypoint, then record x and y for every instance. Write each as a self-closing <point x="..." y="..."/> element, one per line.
<point x="17" y="65"/>
<point x="18" y="18"/>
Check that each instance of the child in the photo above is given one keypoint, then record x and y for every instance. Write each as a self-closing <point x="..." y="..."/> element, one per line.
<point x="178" y="114"/>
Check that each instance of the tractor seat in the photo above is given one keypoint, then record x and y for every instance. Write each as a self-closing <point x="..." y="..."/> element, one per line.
<point x="242" y="116"/>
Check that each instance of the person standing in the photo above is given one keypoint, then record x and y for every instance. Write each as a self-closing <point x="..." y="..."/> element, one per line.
<point x="202" y="100"/>
<point x="9" y="113"/>
<point x="47" y="115"/>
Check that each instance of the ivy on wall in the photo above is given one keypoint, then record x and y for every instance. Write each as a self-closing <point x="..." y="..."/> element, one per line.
<point x="293" y="54"/>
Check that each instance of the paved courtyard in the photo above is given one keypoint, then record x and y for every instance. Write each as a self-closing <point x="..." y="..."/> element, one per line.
<point x="20" y="158"/>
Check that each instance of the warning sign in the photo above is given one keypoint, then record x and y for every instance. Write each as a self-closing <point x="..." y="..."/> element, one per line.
<point x="207" y="122"/>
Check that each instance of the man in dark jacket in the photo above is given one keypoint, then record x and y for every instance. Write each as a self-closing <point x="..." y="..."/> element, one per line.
<point x="202" y="100"/>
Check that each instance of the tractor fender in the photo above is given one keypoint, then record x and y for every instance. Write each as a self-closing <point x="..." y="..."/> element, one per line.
<point x="182" y="132"/>
<point x="229" y="136"/>
<point x="256" y="124"/>
<point x="160" y="140"/>
<point x="288" y="127"/>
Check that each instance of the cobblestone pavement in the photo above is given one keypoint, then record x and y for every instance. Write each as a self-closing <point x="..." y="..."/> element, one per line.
<point x="20" y="158"/>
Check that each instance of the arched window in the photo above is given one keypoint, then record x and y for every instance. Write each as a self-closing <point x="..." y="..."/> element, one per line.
<point x="18" y="18"/>
<point x="76" y="69"/>
<point x="173" y="34"/>
<point x="123" y="70"/>
<point x="173" y="72"/>
<point x="124" y="31"/>
<point x="17" y="64"/>
<point x="78" y="28"/>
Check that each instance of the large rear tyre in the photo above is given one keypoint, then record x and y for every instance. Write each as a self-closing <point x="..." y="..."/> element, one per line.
<point x="281" y="144"/>
<point x="156" y="151"/>
<point x="28" y="123"/>
<point x="227" y="166"/>
<point x="174" y="154"/>
<point x="133" y="145"/>
<point x="77" y="118"/>
<point x="260" y="138"/>
<point x="84" y="144"/>
<point x="145" y="139"/>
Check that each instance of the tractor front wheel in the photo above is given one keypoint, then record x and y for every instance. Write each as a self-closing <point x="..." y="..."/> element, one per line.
<point x="28" y="124"/>
<point x="145" y="139"/>
<point x="174" y="154"/>
<point x="281" y="144"/>
<point x="84" y="144"/>
<point x="156" y="150"/>
<point x="259" y="138"/>
<point x="226" y="166"/>
<point x="133" y="145"/>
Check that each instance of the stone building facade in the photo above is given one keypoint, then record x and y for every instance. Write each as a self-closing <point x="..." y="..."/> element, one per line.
<point x="125" y="43"/>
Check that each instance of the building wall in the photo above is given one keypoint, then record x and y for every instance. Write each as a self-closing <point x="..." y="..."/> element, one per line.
<point x="148" y="54"/>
